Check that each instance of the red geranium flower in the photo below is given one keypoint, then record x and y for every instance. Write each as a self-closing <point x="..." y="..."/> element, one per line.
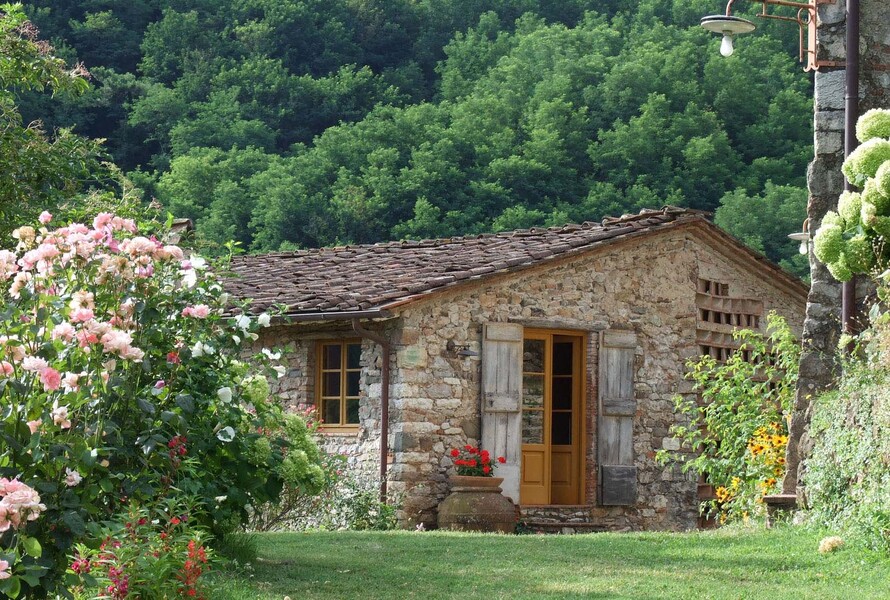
<point x="473" y="461"/>
<point x="501" y="459"/>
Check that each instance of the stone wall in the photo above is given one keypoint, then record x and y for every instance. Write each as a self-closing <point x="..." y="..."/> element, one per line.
<point x="825" y="182"/>
<point x="743" y="283"/>
<point x="647" y="285"/>
<point x="297" y="343"/>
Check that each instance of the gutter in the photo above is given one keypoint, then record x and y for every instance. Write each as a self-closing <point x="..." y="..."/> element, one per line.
<point x="385" y="348"/>
<point x="341" y="315"/>
<point x="851" y="113"/>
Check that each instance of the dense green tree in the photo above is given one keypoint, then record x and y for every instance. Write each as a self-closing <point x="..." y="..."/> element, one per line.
<point x="306" y="122"/>
<point x="38" y="171"/>
<point x="763" y="222"/>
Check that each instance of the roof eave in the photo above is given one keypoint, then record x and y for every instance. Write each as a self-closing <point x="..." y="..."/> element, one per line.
<point x="345" y="315"/>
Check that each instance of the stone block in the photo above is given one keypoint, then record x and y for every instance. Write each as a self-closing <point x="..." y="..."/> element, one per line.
<point x="449" y="403"/>
<point x="832" y="14"/>
<point x="402" y="442"/>
<point x="672" y="444"/>
<point x="412" y="356"/>
<point x="829" y="94"/>
<point x="824" y="178"/>
<point x="829" y="142"/>
<point x="438" y="390"/>
<point x="409" y="336"/>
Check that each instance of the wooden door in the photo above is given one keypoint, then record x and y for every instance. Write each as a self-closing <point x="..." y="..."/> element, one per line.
<point x="535" y="481"/>
<point x="618" y="406"/>
<point x="565" y="420"/>
<point x="552" y="418"/>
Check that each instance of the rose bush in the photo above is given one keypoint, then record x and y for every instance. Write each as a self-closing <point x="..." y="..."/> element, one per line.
<point x="147" y="554"/>
<point x="121" y="381"/>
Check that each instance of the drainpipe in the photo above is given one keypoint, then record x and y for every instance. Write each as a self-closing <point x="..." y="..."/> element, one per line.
<point x="851" y="113"/>
<point x="384" y="399"/>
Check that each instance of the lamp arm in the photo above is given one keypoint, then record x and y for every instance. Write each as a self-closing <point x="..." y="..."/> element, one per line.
<point x="804" y="5"/>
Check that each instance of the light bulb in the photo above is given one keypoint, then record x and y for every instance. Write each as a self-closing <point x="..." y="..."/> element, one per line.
<point x="804" y="247"/>
<point x="726" y="45"/>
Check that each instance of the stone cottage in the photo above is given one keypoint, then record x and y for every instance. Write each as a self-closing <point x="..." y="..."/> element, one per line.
<point x="558" y="348"/>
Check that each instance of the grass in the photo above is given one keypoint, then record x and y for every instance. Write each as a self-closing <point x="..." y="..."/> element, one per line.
<point x="726" y="564"/>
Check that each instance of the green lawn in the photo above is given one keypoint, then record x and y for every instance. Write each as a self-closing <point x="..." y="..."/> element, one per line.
<point x="725" y="564"/>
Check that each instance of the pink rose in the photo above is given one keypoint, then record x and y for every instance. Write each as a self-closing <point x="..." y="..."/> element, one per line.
<point x="34" y="364"/>
<point x="81" y="315"/>
<point x="6" y="368"/>
<point x="51" y="379"/>
<point x="72" y="477"/>
<point x="71" y="381"/>
<point x="60" y="416"/>
<point x="45" y="217"/>
<point x="63" y="331"/>
<point x="199" y="312"/>
<point x="102" y="219"/>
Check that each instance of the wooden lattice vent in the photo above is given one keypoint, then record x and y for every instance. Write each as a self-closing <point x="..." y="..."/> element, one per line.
<point x="719" y="314"/>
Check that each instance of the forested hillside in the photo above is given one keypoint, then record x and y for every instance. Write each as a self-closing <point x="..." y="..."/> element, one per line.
<point x="291" y="123"/>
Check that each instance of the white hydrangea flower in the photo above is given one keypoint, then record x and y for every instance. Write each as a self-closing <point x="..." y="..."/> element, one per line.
<point x="224" y="394"/>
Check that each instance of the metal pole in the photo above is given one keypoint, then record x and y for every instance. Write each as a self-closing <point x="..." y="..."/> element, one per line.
<point x="851" y="113"/>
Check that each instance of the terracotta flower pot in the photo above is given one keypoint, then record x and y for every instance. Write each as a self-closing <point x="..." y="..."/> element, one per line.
<point x="476" y="504"/>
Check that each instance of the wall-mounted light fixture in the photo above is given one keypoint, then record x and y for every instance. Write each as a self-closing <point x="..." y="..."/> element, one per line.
<point x="462" y="351"/>
<point x="802" y="236"/>
<point x="729" y="26"/>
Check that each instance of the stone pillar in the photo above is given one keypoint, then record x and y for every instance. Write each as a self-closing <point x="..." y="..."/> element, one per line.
<point x="818" y="366"/>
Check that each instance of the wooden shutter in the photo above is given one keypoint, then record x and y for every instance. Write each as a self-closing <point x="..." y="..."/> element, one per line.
<point x="502" y="400"/>
<point x="617" y="407"/>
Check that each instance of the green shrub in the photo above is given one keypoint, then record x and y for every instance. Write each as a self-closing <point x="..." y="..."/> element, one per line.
<point x="350" y="499"/>
<point x="847" y="472"/>
<point x="736" y="434"/>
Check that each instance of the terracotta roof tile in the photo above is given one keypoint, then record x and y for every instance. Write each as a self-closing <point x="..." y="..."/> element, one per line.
<point x="353" y="278"/>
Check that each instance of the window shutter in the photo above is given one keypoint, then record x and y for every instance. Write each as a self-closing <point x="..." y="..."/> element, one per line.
<point x="502" y="400"/>
<point x="617" y="407"/>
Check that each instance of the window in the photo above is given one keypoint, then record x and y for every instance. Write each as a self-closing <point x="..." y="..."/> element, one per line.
<point x="339" y="375"/>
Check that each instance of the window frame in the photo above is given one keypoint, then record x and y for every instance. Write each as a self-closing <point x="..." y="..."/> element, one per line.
<point x="320" y="372"/>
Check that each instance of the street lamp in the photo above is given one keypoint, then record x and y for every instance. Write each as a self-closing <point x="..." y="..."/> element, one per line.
<point x="806" y="19"/>
<point x="802" y="236"/>
<point x="729" y="26"/>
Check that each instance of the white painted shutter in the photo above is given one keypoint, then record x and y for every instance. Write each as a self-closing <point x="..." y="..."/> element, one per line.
<point x="502" y="400"/>
<point x="617" y="407"/>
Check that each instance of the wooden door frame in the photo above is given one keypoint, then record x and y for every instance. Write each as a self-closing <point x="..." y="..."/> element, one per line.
<point x="583" y="339"/>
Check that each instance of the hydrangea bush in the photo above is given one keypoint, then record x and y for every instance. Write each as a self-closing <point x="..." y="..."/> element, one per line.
<point x="852" y="239"/>
<point x="121" y="382"/>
